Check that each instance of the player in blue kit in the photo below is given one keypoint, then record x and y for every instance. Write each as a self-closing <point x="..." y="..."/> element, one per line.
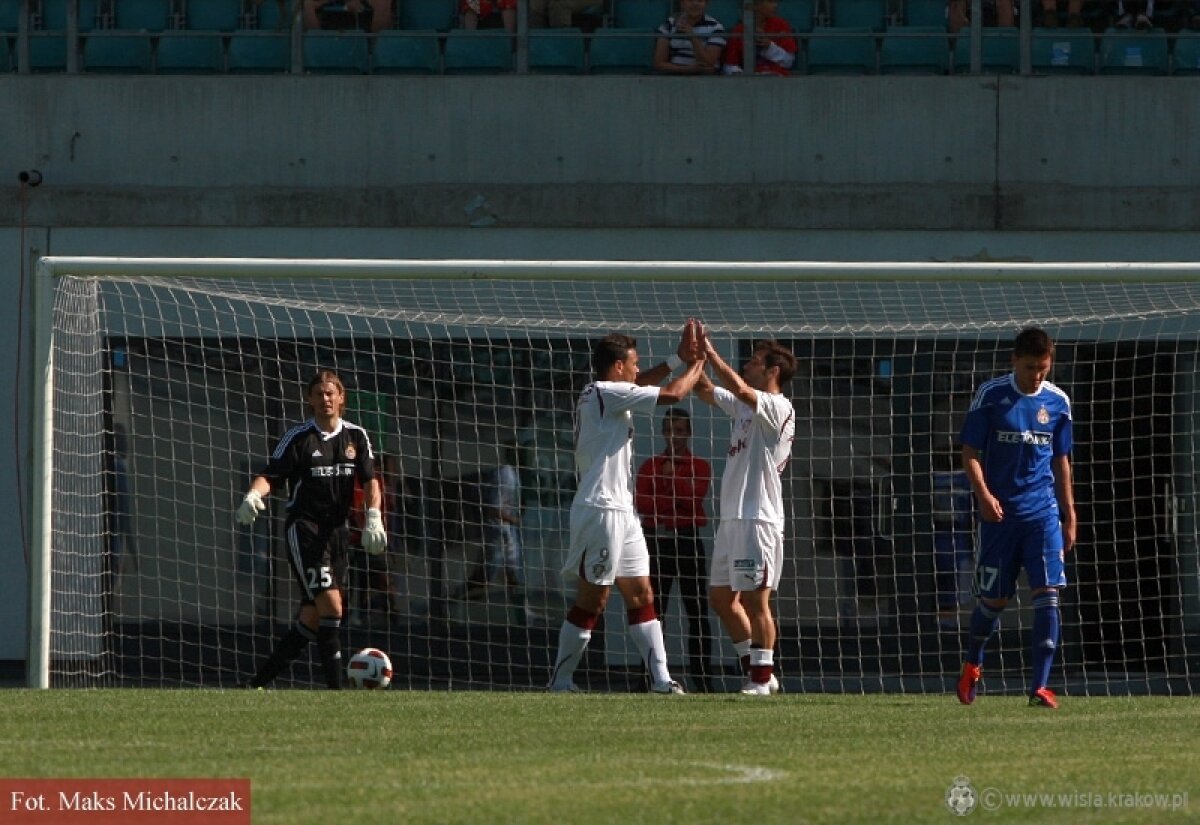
<point x="1016" y="445"/>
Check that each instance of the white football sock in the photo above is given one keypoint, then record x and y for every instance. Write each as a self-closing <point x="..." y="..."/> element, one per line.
<point x="572" y="641"/>
<point x="648" y="637"/>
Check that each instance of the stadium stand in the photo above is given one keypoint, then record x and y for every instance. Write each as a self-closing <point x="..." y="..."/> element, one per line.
<point x="618" y="51"/>
<point x="214" y="15"/>
<point x="556" y="51"/>
<point x="1140" y="53"/>
<point x="841" y="51"/>
<point x="331" y="52"/>
<point x="1063" y="51"/>
<point x="117" y="53"/>
<point x="478" y="52"/>
<point x="142" y="15"/>
<point x="914" y="50"/>
<point x="407" y="52"/>
<point x="800" y="14"/>
<point x="859" y="14"/>
<point x="421" y="15"/>
<point x="259" y="52"/>
<point x="1187" y="54"/>
<point x="925" y="13"/>
<point x="646" y="15"/>
<point x="1001" y="52"/>
<point x="186" y="52"/>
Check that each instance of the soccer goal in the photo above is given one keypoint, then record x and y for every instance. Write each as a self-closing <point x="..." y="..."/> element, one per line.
<point x="163" y="384"/>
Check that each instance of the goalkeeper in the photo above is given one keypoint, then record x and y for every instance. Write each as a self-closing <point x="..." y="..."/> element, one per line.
<point x="319" y="460"/>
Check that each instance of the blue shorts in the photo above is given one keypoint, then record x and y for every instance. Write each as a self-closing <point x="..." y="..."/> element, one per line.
<point x="1006" y="547"/>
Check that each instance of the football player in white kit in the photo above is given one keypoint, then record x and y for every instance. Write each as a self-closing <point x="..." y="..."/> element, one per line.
<point x="607" y="543"/>
<point x="748" y="548"/>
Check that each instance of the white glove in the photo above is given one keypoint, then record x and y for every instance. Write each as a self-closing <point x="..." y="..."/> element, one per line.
<point x="374" y="539"/>
<point x="250" y="507"/>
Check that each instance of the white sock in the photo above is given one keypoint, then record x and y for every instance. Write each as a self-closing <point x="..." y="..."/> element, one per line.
<point x="572" y="641"/>
<point x="648" y="637"/>
<point x="742" y="648"/>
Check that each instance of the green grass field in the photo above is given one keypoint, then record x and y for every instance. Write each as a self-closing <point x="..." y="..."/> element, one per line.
<point x="399" y="757"/>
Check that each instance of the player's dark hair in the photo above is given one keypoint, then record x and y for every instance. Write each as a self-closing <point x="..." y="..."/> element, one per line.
<point x="1033" y="342"/>
<point x="679" y="413"/>
<point x="776" y="354"/>
<point x="609" y="350"/>
<point x="326" y="377"/>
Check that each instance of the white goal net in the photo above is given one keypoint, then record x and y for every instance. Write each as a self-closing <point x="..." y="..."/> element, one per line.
<point x="167" y="383"/>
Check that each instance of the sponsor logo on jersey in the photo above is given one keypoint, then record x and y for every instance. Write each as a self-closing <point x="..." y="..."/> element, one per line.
<point x="1025" y="437"/>
<point x="333" y="472"/>
<point x="1043" y="416"/>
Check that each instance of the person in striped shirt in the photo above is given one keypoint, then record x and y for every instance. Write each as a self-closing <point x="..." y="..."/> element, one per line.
<point x="691" y="42"/>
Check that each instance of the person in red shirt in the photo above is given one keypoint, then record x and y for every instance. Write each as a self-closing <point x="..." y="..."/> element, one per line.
<point x="670" y="492"/>
<point x="775" y="47"/>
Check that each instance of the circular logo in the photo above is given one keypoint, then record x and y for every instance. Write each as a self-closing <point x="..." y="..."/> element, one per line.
<point x="961" y="798"/>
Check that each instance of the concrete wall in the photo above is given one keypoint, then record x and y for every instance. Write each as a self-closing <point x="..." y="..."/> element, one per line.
<point x="920" y="153"/>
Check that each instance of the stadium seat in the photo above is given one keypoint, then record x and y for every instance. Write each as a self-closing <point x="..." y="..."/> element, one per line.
<point x="798" y="13"/>
<point x="620" y="51"/>
<point x="259" y="52"/>
<point x="422" y="15"/>
<point x="1142" y="53"/>
<point x="642" y="14"/>
<point x="189" y="53"/>
<point x="407" y="52"/>
<point x="841" y="51"/>
<point x="1187" y="54"/>
<point x="6" y="61"/>
<point x="914" y="50"/>
<point x="214" y="15"/>
<point x="273" y="15"/>
<point x="117" y="53"/>
<point x="10" y="17"/>
<point x="1001" y="52"/>
<point x="859" y="14"/>
<point x="142" y="15"/>
<point x="556" y="51"/>
<point x="925" y="13"/>
<point x="54" y="15"/>
<point x="478" y="52"/>
<point x="330" y="52"/>
<point x="728" y="12"/>
<point x="1063" y="51"/>
<point x="47" y="52"/>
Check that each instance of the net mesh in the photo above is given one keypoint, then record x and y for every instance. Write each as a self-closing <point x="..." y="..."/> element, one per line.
<point x="169" y="393"/>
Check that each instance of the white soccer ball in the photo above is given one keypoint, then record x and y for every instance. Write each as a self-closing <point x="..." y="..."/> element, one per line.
<point x="370" y="669"/>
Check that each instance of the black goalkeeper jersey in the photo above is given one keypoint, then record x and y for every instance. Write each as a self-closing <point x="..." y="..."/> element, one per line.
<point x="320" y="470"/>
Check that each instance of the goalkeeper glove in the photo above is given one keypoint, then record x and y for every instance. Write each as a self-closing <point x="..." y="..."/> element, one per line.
<point x="374" y="539"/>
<point x="251" y="506"/>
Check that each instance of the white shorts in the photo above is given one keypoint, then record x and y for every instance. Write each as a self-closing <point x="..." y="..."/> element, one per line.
<point x="606" y="545"/>
<point x="747" y="555"/>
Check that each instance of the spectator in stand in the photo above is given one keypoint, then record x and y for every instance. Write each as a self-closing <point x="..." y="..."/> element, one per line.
<point x="557" y="13"/>
<point x="774" y="45"/>
<point x="670" y="492"/>
<point x="374" y="16"/>
<point x="489" y="14"/>
<point x="691" y="42"/>
<point x="1135" y="14"/>
<point x="996" y="13"/>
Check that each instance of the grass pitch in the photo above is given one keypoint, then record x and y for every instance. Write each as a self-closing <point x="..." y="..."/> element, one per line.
<point x="465" y="757"/>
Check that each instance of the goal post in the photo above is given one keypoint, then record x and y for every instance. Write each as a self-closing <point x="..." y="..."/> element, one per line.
<point x="161" y="384"/>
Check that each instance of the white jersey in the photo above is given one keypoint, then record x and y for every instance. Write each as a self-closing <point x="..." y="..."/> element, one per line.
<point x="604" y="441"/>
<point x="759" y="446"/>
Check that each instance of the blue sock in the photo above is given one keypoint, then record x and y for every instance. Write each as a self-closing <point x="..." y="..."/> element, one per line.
<point x="984" y="621"/>
<point x="1045" y="636"/>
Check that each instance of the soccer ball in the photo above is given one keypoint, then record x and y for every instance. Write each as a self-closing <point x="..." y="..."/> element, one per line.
<point x="370" y="669"/>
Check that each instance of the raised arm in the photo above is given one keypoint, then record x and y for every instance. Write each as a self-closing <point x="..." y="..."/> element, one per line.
<point x="729" y="378"/>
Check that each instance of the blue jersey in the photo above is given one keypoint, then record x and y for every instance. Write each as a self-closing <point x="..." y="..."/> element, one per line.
<point x="1017" y="435"/>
